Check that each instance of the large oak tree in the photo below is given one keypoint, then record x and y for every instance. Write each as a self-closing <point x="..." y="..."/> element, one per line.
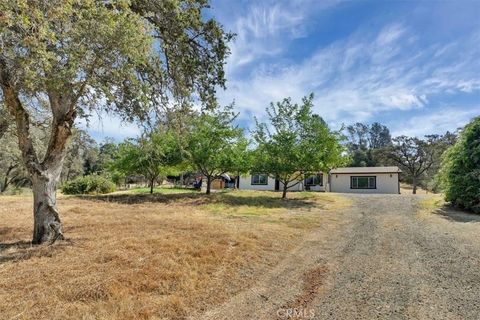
<point x="75" y="57"/>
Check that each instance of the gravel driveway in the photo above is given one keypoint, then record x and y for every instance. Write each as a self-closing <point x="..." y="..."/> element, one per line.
<point x="380" y="260"/>
<point x="392" y="264"/>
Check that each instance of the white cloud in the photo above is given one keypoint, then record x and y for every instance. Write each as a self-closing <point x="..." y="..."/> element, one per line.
<point x="436" y="121"/>
<point x="358" y="78"/>
<point x="108" y="125"/>
<point x="266" y="28"/>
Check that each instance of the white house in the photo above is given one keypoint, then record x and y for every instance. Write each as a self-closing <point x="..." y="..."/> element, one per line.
<point x="259" y="181"/>
<point x="365" y="180"/>
<point x="344" y="180"/>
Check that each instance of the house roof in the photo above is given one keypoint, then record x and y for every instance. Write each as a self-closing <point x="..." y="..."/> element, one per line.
<point x="392" y="169"/>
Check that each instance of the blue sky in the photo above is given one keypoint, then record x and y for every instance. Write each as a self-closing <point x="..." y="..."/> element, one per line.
<point x="411" y="65"/>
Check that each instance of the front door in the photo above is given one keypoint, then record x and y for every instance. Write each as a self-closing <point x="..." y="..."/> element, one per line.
<point x="277" y="185"/>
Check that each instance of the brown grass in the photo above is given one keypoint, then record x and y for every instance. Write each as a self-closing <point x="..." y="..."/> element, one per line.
<point x="147" y="257"/>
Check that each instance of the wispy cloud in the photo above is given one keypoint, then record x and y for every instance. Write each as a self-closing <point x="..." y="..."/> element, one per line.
<point x="266" y="28"/>
<point x="437" y="121"/>
<point x="358" y="78"/>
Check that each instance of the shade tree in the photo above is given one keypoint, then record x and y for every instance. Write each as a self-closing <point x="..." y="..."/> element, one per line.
<point x="72" y="57"/>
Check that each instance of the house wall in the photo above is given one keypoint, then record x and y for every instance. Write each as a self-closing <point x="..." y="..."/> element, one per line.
<point x="246" y="184"/>
<point x="386" y="183"/>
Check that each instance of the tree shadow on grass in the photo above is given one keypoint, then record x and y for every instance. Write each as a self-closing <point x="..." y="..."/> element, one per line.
<point x="453" y="214"/>
<point x="24" y="250"/>
<point x="223" y="198"/>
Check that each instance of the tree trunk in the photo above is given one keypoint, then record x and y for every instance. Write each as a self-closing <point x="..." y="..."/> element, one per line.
<point x="209" y="181"/>
<point x="152" y="183"/>
<point x="284" y="193"/>
<point x="47" y="224"/>
<point x="414" y="182"/>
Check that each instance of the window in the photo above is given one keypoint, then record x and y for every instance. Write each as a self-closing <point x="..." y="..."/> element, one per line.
<point x="260" y="179"/>
<point x="315" y="180"/>
<point x="363" y="182"/>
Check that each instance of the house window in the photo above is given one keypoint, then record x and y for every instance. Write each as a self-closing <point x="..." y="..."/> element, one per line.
<point x="259" y="179"/>
<point x="315" y="180"/>
<point x="363" y="182"/>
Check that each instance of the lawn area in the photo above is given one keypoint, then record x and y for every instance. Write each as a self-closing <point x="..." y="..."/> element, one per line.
<point x="163" y="190"/>
<point x="141" y="256"/>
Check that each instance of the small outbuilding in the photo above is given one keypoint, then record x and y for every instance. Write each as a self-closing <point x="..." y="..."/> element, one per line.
<point x="365" y="180"/>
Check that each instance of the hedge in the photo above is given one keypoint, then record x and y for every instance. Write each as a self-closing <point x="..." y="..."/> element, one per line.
<point x="88" y="185"/>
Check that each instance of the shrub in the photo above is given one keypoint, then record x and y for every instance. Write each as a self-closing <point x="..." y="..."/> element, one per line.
<point x="460" y="173"/>
<point x="88" y="185"/>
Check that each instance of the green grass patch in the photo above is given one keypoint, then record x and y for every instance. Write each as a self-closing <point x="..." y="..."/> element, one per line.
<point x="161" y="190"/>
<point x="432" y="202"/>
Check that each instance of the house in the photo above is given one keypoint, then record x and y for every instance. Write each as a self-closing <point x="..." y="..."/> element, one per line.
<point x="343" y="180"/>
<point x="365" y="180"/>
<point x="260" y="181"/>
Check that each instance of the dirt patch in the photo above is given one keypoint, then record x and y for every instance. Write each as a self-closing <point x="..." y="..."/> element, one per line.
<point x="299" y="308"/>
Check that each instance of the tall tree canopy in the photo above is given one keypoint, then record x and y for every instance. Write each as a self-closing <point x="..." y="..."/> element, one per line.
<point x="295" y="143"/>
<point x="71" y="57"/>
<point x="365" y="143"/>
<point x="460" y="172"/>
<point x="416" y="156"/>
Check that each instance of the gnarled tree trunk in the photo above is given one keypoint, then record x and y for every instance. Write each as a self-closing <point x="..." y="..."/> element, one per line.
<point x="47" y="224"/>
<point x="44" y="174"/>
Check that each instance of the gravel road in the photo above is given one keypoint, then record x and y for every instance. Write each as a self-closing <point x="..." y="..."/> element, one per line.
<point x="381" y="260"/>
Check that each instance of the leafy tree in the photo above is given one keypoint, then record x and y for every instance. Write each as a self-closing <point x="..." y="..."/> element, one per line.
<point x="150" y="156"/>
<point x="366" y="143"/>
<point x="415" y="156"/>
<point x="81" y="158"/>
<point x="460" y="173"/>
<point x="70" y="57"/>
<point x="299" y="143"/>
<point x="241" y="157"/>
<point x="214" y="143"/>
<point x="11" y="170"/>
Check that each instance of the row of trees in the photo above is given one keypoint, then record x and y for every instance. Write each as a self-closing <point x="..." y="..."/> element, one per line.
<point x="294" y="142"/>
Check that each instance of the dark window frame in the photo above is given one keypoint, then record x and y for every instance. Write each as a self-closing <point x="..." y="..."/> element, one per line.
<point x="259" y="184"/>
<point x="368" y="182"/>
<point x="320" y="180"/>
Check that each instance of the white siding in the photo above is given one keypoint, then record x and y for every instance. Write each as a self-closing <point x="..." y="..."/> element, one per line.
<point x="386" y="183"/>
<point x="246" y="184"/>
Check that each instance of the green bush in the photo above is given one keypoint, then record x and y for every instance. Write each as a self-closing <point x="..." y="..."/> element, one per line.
<point x="88" y="185"/>
<point x="460" y="173"/>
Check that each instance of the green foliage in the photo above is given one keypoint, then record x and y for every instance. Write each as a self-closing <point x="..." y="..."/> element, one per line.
<point x="214" y="145"/>
<point x="417" y="157"/>
<point x="88" y="185"/>
<point x="366" y="142"/>
<point x="300" y="143"/>
<point x="152" y="155"/>
<point x="460" y="172"/>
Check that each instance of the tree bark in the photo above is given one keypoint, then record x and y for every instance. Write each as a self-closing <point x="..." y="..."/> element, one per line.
<point x="414" y="183"/>
<point x="47" y="224"/>
<point x="284" y="193"/>
<point x="209" y="181"/>
<point x="152" y="183"/>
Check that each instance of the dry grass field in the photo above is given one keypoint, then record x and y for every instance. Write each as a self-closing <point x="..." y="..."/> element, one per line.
<point x="135" y="256"/>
